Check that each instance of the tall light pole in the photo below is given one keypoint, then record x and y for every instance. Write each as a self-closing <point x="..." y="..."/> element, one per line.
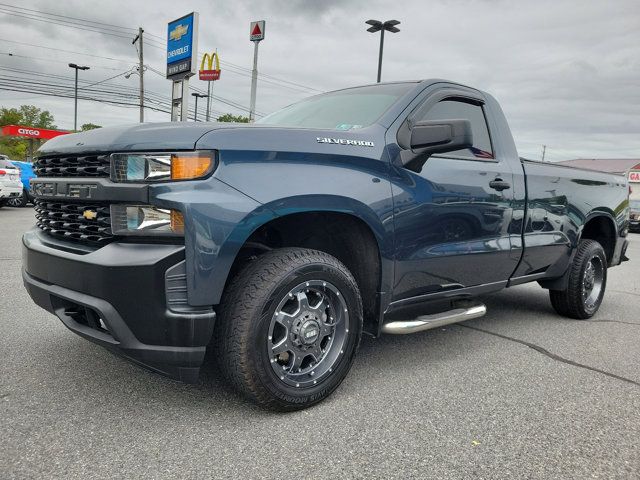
<point x="197" y="95"/>
<point x="389" y="26"/>
<point x="75" y="109"/>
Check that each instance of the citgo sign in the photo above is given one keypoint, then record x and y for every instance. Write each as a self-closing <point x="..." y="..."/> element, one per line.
<point x="31" y="132"/>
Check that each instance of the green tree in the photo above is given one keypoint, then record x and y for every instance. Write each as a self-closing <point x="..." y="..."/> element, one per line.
<point x="35" y="117"/>
<point x="89" y="126"/>
<point x="230" y="117"/>
<point x="28" y="115"/>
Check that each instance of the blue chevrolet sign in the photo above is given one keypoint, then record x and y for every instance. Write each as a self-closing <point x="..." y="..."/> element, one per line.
<point x="182" y="46"/>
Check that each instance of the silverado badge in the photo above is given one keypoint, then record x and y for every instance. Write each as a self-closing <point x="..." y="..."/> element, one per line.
<point x="343" y="141"/>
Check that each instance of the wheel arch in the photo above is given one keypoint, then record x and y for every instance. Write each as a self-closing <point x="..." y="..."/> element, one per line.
<point x="357" y="240"/>
<point x="601" y="227"/>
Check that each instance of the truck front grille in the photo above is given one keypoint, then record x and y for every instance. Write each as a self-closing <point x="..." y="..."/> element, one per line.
<point x="81" y="222"/>
<point x="72" y="166"/>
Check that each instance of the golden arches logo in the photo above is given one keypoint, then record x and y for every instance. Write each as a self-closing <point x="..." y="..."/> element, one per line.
<point x="212" y="72"/>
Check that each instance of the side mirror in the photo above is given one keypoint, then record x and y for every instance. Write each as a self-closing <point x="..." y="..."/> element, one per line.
<point x="436" y="136"/>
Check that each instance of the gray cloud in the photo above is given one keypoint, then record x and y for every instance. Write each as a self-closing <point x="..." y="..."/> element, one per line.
<point x="565" y="72"/>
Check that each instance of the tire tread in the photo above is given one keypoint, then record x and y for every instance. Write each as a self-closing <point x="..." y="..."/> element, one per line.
<point x="568" y="302"/>
<point x="243" y="299"/>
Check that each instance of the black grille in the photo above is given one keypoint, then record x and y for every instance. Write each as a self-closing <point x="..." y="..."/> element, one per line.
<point x="72" y="166"/>
<point x="70" y="222"/>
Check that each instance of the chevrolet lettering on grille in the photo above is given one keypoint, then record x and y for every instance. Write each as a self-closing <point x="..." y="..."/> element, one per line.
<point x="68" y="190"/>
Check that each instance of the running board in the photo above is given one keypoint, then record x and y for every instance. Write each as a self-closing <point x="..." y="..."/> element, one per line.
<point x="426" y="322"/>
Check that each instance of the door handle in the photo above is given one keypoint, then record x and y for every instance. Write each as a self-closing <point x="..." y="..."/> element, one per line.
<point x="499" y="184"/>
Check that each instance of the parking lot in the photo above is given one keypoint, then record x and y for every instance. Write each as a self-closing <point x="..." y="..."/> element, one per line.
<point x="518" y="393"/>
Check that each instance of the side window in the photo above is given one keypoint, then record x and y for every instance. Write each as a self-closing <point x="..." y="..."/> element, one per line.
<point x="455" y="109"/>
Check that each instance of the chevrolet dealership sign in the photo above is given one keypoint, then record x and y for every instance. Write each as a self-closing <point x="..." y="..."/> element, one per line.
<point x="182" y="46"/>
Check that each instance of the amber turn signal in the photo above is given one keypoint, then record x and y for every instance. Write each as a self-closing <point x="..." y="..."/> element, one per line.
<point x="185" y="167"/>
<point x="177" y="222"/>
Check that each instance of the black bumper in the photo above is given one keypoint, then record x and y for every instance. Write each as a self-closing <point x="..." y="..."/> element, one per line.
<point x="116" y="296"/>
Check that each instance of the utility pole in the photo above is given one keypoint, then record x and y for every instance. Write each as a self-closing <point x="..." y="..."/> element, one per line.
<point x="544" y="150"/>
<point x="376" y="25"/>
<point x="141" y="70"/>
<point x="75" y="107"/>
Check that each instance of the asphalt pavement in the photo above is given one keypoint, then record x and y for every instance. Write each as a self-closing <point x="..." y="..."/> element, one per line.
<point x="520" y="393"/>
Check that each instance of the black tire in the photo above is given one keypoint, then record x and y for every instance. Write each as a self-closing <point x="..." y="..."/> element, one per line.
<point x="578" y="300"/>
<point x="19" y="202"/>
<point x="245" y="326"/>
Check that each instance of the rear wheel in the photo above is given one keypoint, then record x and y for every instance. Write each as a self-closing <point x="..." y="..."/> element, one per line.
<point x="289" y="327"/>
<point x="586" y="284"/>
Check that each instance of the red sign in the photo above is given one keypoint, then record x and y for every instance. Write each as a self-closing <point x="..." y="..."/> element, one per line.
<point x="31" y="132"/>
<point x="209" y="75"/>
<point x="212" y="72"/>
<point x="256" y="31"/>
<point x="634" y="177"/>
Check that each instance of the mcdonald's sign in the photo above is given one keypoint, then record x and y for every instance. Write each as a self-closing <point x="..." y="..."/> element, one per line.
<point x="210" y="74"/>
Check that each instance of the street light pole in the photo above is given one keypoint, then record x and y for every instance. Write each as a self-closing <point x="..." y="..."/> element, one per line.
<point x="197" y="95"/>
<point x="75" y="108"/>
<point x="376" y="25"/>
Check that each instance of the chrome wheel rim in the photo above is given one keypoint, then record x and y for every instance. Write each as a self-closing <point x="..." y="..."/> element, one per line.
<point x="307" y="333"/>
<point x="592" y="281"/>
<point x="14" y="201"/>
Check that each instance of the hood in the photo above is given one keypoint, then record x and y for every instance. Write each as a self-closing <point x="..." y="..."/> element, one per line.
<point x="191" y="135"/>
<point x="136" y="137"/>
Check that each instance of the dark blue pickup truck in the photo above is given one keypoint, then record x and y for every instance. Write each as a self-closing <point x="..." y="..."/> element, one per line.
<point x="278" y="244"/>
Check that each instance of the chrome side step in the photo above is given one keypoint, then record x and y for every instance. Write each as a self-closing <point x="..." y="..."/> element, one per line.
<point x="426" y="322"/>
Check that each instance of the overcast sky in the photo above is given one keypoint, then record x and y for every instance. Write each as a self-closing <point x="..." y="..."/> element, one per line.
<point x="567" y="73"/>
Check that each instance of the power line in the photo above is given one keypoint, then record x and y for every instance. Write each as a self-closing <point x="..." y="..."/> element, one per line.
<point x="62" y="50"/>
<point x="50" y="21"/>
<point x="226" y="101"/>
<point x="16" y="11"/>
<point x="109" y="96"/>
<point x="10" y="54"/>
<point x="20" y="8"/>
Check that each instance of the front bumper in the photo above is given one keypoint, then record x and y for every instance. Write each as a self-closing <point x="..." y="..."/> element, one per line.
<point x="116" y="296"/>
<point x="634" y="225"/>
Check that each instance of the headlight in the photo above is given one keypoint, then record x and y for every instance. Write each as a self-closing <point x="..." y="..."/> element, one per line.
<point x="159" y="167"/>
<point x="146" y="220"/>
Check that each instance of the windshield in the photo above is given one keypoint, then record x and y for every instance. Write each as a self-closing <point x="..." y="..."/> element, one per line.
<point x="634" y="204"/>
<point x="342" y="110"/>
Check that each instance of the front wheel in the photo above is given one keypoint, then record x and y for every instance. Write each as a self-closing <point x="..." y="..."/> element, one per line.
<point x="20" y="201"/>
<point x="586" y="284"/>
<point x="289" y="327"/>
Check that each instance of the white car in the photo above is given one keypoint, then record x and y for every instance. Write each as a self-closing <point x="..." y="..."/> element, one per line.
<point x="10" y="184"/>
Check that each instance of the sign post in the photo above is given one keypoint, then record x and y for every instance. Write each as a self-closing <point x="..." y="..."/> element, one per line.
<point x="210" y="74"/>
<point x="182" y="52"/>
<point x="256" y="34"/>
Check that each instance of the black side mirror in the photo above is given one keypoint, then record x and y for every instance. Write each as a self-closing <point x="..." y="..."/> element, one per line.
<point x="436" y="136"/>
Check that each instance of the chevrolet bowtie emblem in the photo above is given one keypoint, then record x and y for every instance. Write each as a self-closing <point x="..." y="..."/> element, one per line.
<point x="90" y="214"/>
<point x="178" y="32"/>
